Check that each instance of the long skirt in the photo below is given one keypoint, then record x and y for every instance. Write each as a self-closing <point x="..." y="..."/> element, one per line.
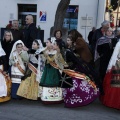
<point x="50" y="77"/>
<point x="51" y="95"/>
<point x="7" y="93"/>
<point x="80" y="94"/>
<point x="40" y="89"/>
<point x="29" y="88"/>
<point x="111" y="97"/>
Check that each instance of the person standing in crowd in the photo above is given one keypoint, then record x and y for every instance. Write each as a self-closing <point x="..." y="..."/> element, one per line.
<point x="98" y="34"/>
<point x="76" y="63"/>
<point x="7" y="44"/>
<point x="5" y="82"/>
<point x="29" y="87"/>
<point x="81" y="46"/>
<point x="111" y="83"/>
<point x="76" y="95"/>
<point x="90" y="35"/>
<point x="51" y="93"/>
<point x="30" y="32"/>
<point x="104" y="51"/>
<point x="17" y="60"/>
<point x="58" y="36"/>
<point x="117" y="36"/>
<point x="17" y="34"/>
<point x="69" y="43"/>
<point x="9" y="26"/>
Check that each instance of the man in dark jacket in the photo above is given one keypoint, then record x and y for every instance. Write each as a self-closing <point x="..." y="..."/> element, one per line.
<point x="99" y="33"/>
<point x="30" y="32"/>
<point x="90" y="36"/>
<point x="17" y="34"/>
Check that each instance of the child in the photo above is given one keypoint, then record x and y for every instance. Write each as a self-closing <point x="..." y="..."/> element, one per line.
<point x="17" y="59"/>
<point x="5" y="83"/>
<point x="69" y="42"/>
<point x="29" y="87"/>
<point x="51" y="76"/>
<point x="82" y="92"/>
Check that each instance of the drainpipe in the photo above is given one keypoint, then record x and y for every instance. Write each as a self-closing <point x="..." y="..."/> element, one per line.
<point x="97" y="12"/>
<point x="100" y="12"/>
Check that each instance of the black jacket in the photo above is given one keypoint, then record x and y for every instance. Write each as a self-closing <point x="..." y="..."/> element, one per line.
<point x="90" y="36"/>
<point x="30" y="34"/>
<point x="7" y="47"/>
<point x="97" y="34"/>
<point x="17" y="34"/>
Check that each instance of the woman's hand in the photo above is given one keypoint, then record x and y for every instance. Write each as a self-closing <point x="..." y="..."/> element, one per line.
<point x="15" y="64"/>
<point x="25" y="48"/>
<point x="66" y="66"/>
<point x="4" y="72"/>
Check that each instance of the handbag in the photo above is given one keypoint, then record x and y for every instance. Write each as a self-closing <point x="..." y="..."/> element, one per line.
<point x="65" y="81"/>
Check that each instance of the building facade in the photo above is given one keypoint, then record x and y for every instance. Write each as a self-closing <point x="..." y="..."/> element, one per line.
<point x="89" y="13"/>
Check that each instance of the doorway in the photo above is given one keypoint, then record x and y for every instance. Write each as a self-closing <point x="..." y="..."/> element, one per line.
<point x="25" y="9"/>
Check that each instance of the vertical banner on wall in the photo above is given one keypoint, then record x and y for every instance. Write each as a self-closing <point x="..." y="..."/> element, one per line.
<point x="42" y="16"/>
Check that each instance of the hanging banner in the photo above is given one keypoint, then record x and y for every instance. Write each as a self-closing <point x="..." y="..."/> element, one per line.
<point x="42" y="16"/>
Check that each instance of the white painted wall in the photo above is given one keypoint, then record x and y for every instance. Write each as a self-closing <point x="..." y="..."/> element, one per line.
<point x="88" y="7"/>
<point x="101" y="11"/>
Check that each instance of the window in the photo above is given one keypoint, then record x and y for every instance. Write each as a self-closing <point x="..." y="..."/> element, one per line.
<point x="71" y="17"/>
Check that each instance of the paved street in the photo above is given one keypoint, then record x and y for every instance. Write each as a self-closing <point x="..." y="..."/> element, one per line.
<point x="35" y="110"/>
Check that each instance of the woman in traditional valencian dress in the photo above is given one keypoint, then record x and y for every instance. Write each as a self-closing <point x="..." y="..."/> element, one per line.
<point x="29" y="87"/>
<point x="5" y="82"/>
<point x="17" y="59"/>
<point x="84" y="91"/>
<point x="111" y="83"/>
<point x="51" y="76"/>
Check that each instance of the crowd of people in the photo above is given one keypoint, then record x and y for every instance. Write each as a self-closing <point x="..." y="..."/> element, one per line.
<point x="106" y="50"/>
<point x="71" y="72"/>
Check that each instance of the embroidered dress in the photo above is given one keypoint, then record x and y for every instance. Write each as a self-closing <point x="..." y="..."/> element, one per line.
<point x="5" y="86"/>
<point x="82" y="92"/>
<point x="50" y="81"/>
<point x="17" y="72"/>
<point x="5" y="82"/>
<point x="29" y="87"/>
<point x="111" y="83"/>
